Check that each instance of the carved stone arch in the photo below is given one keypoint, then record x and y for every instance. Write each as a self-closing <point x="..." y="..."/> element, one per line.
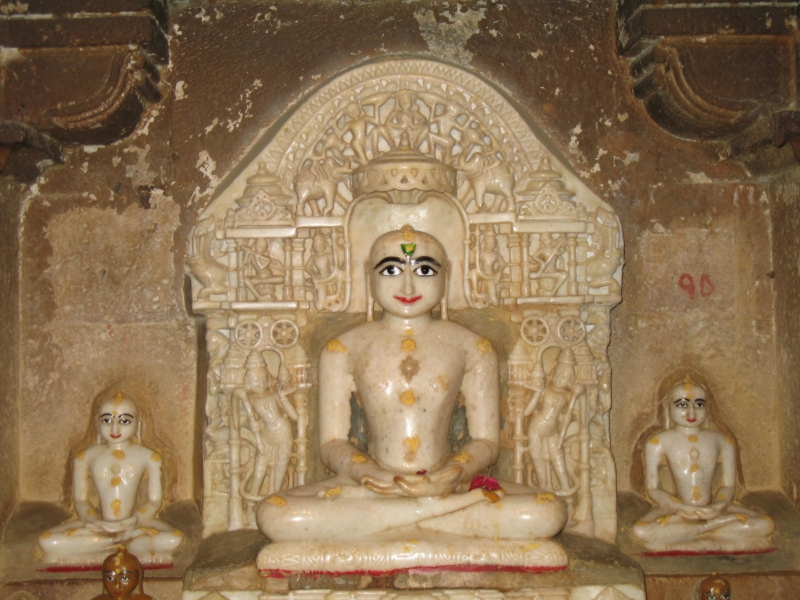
<point x="394" y="141"/>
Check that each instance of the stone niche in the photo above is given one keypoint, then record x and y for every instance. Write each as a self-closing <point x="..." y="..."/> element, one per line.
<point x="276" y="266"/>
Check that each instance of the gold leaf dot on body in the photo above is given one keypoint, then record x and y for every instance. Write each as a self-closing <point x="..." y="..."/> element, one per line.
<point x="694" y="468"/>
<point x="46" y="534"/>
<point x="693" y="438"/>
<point x="177" y="532"/>
<point x="143" y="510"/>
<point x="71" y="532"/>
<point x="654" y="441"/>
<point x="484" y="345"/>
<point x="729" y="440"/>
<point x="336" y="346"/>
<point x="118" y="454"/>
<point x="155" y="457"/>
<point x="409" y="331"/>
<point x="116" y="506"/>
<point x="663" y="520"/>
<point x="463" y="458"/>
<point x="407" y="398"/>
<point x="531" y="546"/>
<point x="91" y="512"/>
<point x="80" y="455"/>
<point x="116" y="481"/>
<point x="408" y="345"/>
<point x="546" y="497"/>
<point x="411" y="444"/>
<point x="276" y="501"/>
<point x="333" y="492"/>
<point x="674" y="499"/>
<point x="358" y="459"/>
<point x="741" y="517"/>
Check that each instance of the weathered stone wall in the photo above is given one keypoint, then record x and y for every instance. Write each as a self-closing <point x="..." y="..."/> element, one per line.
<point x="105" y="236"/>
<point x="786" y="249"/>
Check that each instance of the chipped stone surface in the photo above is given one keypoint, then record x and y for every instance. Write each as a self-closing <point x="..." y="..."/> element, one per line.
<point x="446" y="39"/>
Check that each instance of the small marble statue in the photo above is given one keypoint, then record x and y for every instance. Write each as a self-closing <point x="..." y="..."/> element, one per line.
<point x="696" y="518"/>
<point x="714" y="587"/>
<point x="116" y="465"/>
<point x="409" y="484"/>
<point x="122" y="573"/>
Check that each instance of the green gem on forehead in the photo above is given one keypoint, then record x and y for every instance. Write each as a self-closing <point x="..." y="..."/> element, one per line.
<point x="408" y="249"/>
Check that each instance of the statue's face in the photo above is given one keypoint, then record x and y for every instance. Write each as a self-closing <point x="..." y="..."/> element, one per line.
<point x="688" y="406"/>
<point x="256" y="381"/>
<point x="404" y="101"/>
<point x="120" y="581"/>
<point x="407" y="285"/>
<point x="118" y="420"/>
<point x="714" y="588"/>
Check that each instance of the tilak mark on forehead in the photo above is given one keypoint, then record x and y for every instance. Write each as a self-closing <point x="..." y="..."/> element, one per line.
<point x="408" y="249"/>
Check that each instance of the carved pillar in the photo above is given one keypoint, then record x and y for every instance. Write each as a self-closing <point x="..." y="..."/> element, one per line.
<point x="515" y="264"/>
<point x="572" y="263"/>
<point x="298" y="269"/>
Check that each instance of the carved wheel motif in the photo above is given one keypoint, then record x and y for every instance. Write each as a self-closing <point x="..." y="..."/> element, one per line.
<point x="571" y="330"/>
<point x="284" y="333"/>
<point x="534" y="330"/>
<point x="248" y="334"/>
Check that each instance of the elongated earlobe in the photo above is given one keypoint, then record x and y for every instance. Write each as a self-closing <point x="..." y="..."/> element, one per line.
<point x="443" y="303"/>
<point x="370" y="299"/>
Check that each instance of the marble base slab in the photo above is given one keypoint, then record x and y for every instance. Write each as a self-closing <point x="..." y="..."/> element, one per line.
<point x="580" y="592"/>
<point x="392" y="554"/>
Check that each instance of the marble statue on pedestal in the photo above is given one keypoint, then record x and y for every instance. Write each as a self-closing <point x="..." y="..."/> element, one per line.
<point x="696" y="518"/>
<point x="408" y="499"/>
<point x="116" y="465"/>
<point x="122" y="574"/>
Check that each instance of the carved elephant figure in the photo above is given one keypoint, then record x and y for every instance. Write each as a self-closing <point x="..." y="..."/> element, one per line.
<point x="319" y="180"/>
<point x="210" y="273"/>
<point x="486" y="177"/>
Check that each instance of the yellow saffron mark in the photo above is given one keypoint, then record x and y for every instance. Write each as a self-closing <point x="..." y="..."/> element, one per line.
<point x="177" y="532"/>
<point x="463" y="457"/>
<point x="46" y="534"/>
<point x="729" y="440"/>
<point x="546" y="497"/>
<point x="531" y="546"/>
<point x="155" y="457"/>
<point x="71" y="532"/>
<point x="696" y="495"/>
<point x="409" y="331"/>
<point x="720" y="497"/>
<point x="276" y="501"/>
<point x="118" y="398"/>
<point x="143" y="510"/>
<point x="694" y="468"/>
<point x="80" y="455"/>
<point x="333" y="492"/>
<point x="336" y="346"/>
<point x="491" y="496"/>
<point x="413" y="541"/>
<point x="741" y="517"/>
<point x="663" y="520"/>
<point x="484" y="345"/>
<point x="118" y="454"/>
<point x="91" y="512"/>
<point x="407" y="398"/>
<point x="693" y="438"/>
<point x="674" y="499"/>
<point x="149" y="531"/>
<point x="408" y="233"/>
<point x="640" y="522"/>
<point x="408" y="345"/>
<point x="116" y="481"/>
<point x="358" y="459"/>
<point x="411" y="444"/>
<point x="116" y="506"/>
<point x="406" y="548"/>
<point x="654" y="441"/>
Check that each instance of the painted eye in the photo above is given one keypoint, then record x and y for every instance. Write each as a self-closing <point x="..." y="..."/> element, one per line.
<point x="699" y="403"/>
<point x="106" y="420"/>
<point x="682" y="404"/>
<point x="426" y="271"/>
<point x="125" y="578"/>
<point x="124" y="421"/>
<point x="391" y="271"/>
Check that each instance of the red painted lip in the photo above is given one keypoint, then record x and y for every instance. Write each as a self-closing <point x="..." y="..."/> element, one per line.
<point x="116" y="436"/>
<point x="405" y="300"/>
<point x="691" y="420"/>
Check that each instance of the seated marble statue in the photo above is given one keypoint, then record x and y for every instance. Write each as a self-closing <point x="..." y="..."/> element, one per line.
<point x="116" y="465"/>
<point x="122" y="574"/>
<point x="408" y="370"/>
<point x="696" y="518"/>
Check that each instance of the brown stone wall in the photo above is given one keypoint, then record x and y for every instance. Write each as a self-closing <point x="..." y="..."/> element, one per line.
<point x="786" y="245"/>
<point x="104" y="237"/>
<point x="10" y="196"/>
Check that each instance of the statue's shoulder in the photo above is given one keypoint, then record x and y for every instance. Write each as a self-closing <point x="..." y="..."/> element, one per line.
<point x="473" y="343"/>
<point x="659" y="437"/>
<point x="91" y="453"/>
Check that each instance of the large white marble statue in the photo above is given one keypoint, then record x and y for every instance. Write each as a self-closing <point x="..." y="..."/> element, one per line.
<point x="409" y="486"/>
<point x="116" y="466"/>
<point x="696" y="517"/>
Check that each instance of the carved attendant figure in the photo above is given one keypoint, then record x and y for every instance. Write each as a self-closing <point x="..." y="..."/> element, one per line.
<point x="116" y="466"/>
<point x="122" y="574"/>
<point x="268" y="412"/>
<point x="696" y="517"/>
<point x="408" y="369"/>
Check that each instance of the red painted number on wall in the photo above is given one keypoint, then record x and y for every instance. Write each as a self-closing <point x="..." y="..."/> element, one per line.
<point x="704" y="288"/>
